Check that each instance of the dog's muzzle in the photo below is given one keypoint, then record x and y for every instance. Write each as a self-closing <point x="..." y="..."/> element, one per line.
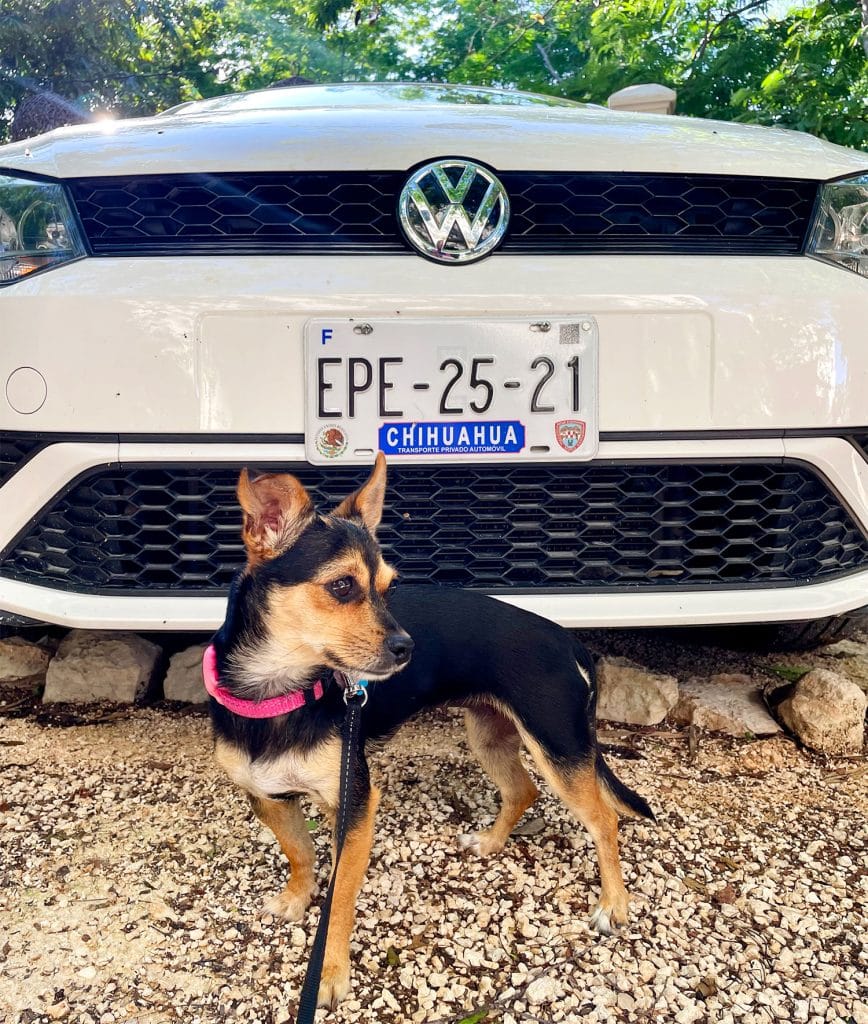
<point x="400" y="646"/>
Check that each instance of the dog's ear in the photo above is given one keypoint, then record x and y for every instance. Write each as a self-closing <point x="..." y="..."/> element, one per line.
<point x="276" y="509"/>
<point x="367" y="502"/>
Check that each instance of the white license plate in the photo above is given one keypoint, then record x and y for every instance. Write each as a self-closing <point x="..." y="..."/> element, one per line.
<point x="451" y="390"/>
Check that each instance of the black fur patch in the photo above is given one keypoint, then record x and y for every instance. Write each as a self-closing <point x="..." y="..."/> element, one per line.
<point x="322" y="542"/>
<point x="468" y="647"/>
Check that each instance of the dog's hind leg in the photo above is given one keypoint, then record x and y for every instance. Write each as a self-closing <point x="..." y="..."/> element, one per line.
<point x="496" y="743"/>
<point x="286" y="821"/>
<point x="580" y="789"/>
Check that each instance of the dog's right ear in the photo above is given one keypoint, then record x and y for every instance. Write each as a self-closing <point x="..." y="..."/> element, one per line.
<point x="367" y="502"/>
<point x="276" y="509"/>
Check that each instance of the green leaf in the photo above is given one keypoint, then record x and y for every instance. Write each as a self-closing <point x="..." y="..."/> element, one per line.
<point x="476" y="1017"/>
<point x="792" y="673"/>
<point x="773" y="81"/>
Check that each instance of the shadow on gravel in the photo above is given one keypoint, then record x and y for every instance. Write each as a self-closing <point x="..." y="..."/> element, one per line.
<point x="678" y="652"/>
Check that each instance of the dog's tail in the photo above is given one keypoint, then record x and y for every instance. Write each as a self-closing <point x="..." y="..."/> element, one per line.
<point x="621" y="797"/>
<point x="615" y="793"/>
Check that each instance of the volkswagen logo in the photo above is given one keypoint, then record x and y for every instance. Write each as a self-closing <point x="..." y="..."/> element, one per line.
<point x="453" y="211"/>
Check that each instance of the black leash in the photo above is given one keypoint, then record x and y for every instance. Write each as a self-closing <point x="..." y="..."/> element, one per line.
<point x="355" y="699"/>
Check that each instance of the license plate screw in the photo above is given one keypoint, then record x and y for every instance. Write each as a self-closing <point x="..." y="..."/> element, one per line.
<point x="363" y="329"/>
<point x="586" y="325"/>
<point x="543" y="326"/>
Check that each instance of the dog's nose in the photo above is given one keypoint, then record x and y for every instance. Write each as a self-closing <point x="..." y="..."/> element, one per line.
<point x="401" y="646"/>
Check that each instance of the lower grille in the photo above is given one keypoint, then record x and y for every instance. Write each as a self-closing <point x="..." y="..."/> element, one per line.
<point x="601" y="525"/>
<point x="15" y="450"/>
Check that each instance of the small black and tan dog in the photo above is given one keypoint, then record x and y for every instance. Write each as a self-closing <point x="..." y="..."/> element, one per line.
<point x="313" y="608"/>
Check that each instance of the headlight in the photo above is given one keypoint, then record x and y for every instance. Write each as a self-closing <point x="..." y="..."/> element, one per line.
<point x="840" y="231"/>
<point x="37" y="228"/>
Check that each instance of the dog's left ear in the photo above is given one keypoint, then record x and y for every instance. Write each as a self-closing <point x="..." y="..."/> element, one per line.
<point x="367" y="502"/>
<point x="277" y="509"/>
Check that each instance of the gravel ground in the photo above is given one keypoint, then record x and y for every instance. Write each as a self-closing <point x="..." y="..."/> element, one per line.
<point x="131" y="874"/>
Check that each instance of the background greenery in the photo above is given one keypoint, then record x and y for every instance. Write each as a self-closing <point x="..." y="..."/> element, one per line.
<point x="805" y="67"/>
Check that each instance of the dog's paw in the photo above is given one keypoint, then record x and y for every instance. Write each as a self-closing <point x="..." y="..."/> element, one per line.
<point x="606" y="919"/>
<point x="334" y="985"/>
<point x="601" y="922"/>
<point x="291" y="904"/>
<point x="483" y="844"/>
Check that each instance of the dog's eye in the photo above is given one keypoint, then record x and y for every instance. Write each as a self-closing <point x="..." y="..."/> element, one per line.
<point x="342" y="588"/>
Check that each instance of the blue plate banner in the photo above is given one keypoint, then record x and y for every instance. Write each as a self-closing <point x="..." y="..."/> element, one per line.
<point x="459" y="438"/>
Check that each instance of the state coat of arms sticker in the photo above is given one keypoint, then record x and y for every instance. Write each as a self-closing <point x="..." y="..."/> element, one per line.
<point x="570" y="434"/>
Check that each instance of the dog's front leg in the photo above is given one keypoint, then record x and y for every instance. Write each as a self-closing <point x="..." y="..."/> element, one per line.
<point x="356" y="852"/>
<point x="286" y="821"/>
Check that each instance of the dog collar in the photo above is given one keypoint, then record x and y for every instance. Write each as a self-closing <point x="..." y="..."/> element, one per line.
<point x="269" y="708"/>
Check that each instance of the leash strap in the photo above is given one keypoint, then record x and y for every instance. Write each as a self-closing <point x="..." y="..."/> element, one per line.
<point x="349" y="751"/>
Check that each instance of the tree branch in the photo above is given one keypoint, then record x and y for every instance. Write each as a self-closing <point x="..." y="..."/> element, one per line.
<point x="517" y="38"/>
<point x="718" y="25"/>
<point x="548" y="64"/>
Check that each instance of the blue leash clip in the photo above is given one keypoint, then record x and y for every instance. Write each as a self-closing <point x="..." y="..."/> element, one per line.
<point x="359" y="689"/>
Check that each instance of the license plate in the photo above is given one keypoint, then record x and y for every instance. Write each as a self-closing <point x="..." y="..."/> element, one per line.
<point x="451" y="390"/>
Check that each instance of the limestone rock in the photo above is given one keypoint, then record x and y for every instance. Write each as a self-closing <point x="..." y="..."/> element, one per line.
<point x="632" y="694"/>
<point x="827" y="712"/>
<point x="184" y="678"/>
<point x="770" y="754"/>
<point x="543" y="990"/>
<point x="92" y="665"/>
<point x="729" y="703"/>
<point x="22" y="661"/>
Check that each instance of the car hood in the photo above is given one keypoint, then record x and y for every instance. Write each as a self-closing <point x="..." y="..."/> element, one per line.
<point x="396" y="137"/>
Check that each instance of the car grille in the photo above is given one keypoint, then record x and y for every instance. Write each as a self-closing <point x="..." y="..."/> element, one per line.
<point x="599" y="525"/>
<point x="356" y="212"/>
<point x="15" y="450"/>
<point x="861" y="442"/>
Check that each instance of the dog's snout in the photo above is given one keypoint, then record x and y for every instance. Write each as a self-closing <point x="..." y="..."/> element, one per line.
<point x="401" y="646"/>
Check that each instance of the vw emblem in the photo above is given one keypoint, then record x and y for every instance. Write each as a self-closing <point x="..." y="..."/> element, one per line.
<point x="453" y="211"/>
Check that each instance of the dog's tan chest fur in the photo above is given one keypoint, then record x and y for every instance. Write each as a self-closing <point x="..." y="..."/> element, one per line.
<point x="315" y="773"/>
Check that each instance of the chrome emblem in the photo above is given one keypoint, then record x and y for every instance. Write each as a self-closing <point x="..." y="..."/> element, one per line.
<point x="453" y="211"/>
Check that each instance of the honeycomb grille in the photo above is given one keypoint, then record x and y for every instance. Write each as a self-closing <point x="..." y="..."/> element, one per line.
<point x="15" y="450"/>
<point x="240" y="213"/>
<point x="356" y="213"/>
<point x="560" y="527"/>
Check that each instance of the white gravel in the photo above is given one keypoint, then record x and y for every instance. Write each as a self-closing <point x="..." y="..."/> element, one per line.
<point x="131" y="874"/>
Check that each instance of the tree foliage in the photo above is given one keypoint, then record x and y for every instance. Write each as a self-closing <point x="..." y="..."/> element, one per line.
<point x="730" y="59"/>
<point x="819" y="81"/>
<point x="129" y="56"/>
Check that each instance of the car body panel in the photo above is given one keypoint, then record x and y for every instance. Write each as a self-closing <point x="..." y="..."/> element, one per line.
<point x="693" y="343"/>
<point x="388" y="138"/>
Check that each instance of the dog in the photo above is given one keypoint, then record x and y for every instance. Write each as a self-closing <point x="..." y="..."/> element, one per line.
<point x="314" y="609"/>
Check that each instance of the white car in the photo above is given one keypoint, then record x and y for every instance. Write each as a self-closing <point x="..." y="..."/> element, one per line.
<point x="618" y="362"/>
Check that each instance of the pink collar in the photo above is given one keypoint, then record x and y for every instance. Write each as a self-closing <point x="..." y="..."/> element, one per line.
<point x="270" y="708"/>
